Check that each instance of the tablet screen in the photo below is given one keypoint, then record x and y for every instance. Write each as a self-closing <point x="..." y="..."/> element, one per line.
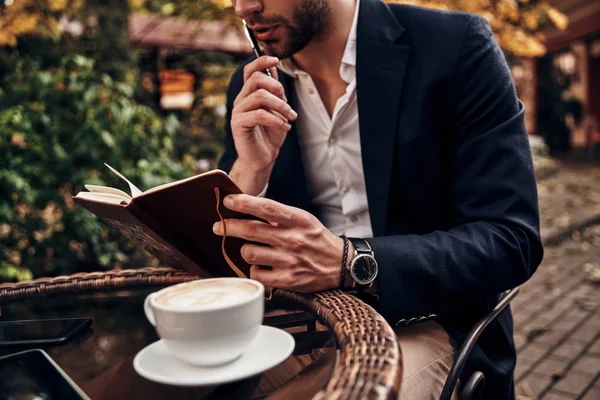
<point x="31" y="375"/>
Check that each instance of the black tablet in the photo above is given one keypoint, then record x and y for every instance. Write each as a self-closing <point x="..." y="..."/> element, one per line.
<point x="37" y="333"/>
<point x="32" y="374"/>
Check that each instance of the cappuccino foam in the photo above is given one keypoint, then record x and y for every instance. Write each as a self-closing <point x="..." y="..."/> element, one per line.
<point x="206" y="294"/>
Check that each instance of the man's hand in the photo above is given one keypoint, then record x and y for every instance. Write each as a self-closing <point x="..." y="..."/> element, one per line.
<point x="304" y="256"/>
<point x="259" y="124"/>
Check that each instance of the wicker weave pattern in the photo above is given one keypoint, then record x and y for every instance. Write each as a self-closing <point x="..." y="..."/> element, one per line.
<point x="115" y="279"/>
<point x="369" y="366"/>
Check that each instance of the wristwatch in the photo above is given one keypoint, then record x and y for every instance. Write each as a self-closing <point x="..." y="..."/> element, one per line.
<point x="362" y="269"/>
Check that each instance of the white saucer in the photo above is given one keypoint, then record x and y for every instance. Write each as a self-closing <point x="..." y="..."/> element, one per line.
<point x="271" y="347"/>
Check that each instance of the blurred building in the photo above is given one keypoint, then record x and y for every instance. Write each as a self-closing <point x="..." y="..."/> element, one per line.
<point x="148" y="30"/>
<point x="161" y="41"/>
<point x="562" y="89"/>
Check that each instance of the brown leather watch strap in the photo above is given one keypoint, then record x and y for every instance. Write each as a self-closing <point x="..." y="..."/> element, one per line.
<point x="347" y="283"/>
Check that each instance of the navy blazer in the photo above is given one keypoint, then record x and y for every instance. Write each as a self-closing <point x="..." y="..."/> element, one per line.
<point x="448" y="170"/>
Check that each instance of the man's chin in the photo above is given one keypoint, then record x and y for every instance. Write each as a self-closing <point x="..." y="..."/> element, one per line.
<point x="276" y="48"/>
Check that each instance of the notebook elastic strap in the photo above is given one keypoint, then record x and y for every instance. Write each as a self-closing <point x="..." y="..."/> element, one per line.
<point x="268" y="291"/>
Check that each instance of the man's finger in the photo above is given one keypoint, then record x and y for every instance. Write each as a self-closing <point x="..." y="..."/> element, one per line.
<point x="260" y="64"/>
<point x="274" y="72"/>
<point x="268" y="256"/>
<point x="262" y="98"/>
<point x="249" y="120"/>
<point x="255" y="231"/>
<point x="267" y="209"/>
<point x="257" y="81"/>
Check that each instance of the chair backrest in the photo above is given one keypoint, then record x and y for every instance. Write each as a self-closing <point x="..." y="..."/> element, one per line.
<point x="469" y="343"/>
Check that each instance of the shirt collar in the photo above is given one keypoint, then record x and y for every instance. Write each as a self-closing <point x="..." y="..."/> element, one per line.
<point x="348" y="66"/>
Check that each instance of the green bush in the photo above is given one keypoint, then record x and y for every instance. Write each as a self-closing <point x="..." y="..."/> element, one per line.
<point x="57" y="128"/>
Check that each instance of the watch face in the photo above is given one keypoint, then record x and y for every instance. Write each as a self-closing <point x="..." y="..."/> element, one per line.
<point x="364" y="269"/>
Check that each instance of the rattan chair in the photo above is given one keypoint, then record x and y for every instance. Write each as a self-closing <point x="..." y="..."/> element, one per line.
<point x="472" y="389"/>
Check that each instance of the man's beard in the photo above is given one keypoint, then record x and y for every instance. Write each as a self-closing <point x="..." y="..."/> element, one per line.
<point x="308" y="22"/>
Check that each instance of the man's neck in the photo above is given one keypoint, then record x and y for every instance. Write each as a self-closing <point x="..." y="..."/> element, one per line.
<point x="322" y="57"/>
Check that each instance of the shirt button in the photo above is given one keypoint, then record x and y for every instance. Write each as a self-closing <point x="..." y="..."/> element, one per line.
<point x="311" y="91"/>
<point x="332" y="140"/>
<point x="353" y="219"/>
<point x="345" y="189"/>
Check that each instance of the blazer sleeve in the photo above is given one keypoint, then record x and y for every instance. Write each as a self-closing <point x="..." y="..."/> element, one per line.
<point x="493" y="242"/>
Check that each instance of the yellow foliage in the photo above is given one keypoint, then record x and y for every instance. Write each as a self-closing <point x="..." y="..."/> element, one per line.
<point x="23" y="24"/>
<point x="137" y="4"/>
<point x="24" y="17"/>
<point x="57" y="5"/>
<point x="516" y="24"/>
<point x="559" y="19"/>
<point x="222" y="3"/>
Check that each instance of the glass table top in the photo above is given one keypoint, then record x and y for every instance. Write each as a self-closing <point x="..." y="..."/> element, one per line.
<point x="100" y="359"/>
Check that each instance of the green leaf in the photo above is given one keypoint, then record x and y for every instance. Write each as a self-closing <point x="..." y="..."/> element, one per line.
<point x="10" y="272"/>
<point x="108" y="139"/>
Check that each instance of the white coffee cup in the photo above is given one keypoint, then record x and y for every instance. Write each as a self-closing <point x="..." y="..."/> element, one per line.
<point x="207" y="322"/>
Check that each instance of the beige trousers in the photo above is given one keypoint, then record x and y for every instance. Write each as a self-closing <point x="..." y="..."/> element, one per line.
<point x="427" y="356"/>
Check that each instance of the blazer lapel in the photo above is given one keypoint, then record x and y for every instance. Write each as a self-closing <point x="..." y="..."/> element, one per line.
<point x="380" y="69"/>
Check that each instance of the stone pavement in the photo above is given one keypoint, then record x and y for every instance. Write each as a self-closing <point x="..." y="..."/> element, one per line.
<point x="569" y="199"/>
<point x="557" y="324"/>
<point x="557" y="313"/>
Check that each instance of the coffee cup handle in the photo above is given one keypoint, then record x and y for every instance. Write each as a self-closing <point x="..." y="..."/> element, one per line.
<point x="148" y="308"/>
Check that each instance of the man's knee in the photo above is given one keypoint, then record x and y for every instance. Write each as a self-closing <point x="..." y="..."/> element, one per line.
<point x="427" y="357"/>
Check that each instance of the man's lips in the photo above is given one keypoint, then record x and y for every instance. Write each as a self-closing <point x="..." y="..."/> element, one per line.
<point x="264" y="33"/>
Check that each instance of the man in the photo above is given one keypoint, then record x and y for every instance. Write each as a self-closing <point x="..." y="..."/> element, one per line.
<point x="399" y="127"/>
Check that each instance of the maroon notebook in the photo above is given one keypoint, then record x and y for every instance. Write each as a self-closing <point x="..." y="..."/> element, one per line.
<point x="173" y="222"/>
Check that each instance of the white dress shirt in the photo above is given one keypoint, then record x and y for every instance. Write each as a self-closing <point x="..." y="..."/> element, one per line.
<point x="330" y="147"/>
